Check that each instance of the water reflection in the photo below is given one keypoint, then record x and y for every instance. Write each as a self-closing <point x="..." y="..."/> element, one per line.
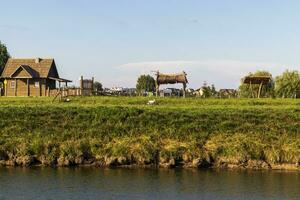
<point x="94" y="183"/>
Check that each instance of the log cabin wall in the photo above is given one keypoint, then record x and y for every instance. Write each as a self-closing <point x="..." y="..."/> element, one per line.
<point x="28" y="87"/>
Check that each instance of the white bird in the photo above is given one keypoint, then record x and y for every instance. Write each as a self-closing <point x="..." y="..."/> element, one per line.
<point x="151" y="102"/>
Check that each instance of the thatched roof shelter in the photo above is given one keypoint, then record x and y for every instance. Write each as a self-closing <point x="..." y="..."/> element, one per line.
<point x="171" y="78"/>
<point x="257" y="80"/>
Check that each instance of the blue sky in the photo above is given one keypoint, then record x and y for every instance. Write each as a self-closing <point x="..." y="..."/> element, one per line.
<point x="115" y="41"/>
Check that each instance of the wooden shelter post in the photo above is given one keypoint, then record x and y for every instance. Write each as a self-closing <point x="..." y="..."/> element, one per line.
<point x="259" y="90"/>
<point x="251" y="88"/>
<point x="157" y="84"/>
<point x="157" y="89"/>
<point x="184" y="88"/>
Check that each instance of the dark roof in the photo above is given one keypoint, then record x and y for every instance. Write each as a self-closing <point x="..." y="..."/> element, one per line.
<point x="37" y="68"/>
<point x="257" y="79"/>
<point x="60" y="79"/>
<point x="32" y="73"/>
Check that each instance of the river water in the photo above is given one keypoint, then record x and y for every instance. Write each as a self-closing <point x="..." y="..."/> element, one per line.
<point x="94" y="183"/>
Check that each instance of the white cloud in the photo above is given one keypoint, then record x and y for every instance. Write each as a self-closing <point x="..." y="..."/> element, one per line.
<point x="223" y="73"/>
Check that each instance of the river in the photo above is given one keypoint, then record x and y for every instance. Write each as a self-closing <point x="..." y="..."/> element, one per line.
<point x="95" y="183"/>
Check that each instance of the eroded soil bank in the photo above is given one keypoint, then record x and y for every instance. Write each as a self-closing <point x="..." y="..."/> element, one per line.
<point x="221" y="163"/>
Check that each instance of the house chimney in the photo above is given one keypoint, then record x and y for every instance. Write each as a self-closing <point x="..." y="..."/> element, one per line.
<point x="37" y="60"/>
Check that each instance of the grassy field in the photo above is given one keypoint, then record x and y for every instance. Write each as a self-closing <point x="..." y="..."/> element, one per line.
<point x="110" y="131"/>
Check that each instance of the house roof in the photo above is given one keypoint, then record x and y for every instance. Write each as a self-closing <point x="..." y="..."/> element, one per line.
<point x="36" y="68"/>
<point x="60" y="79"/>
<point x="29" y="71"/>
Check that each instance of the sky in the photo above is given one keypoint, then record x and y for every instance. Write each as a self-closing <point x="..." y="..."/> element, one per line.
<point x="217" y="41"/>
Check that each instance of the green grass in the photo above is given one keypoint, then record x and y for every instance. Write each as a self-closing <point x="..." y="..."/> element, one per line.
<point x="141" y="101"/>
<point x="125" y="127"/>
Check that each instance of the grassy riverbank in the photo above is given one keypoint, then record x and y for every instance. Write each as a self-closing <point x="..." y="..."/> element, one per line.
<point x="114" y="131"/>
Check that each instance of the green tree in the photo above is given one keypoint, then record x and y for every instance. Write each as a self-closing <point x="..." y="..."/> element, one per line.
<point x="145" y="83"/>
<point x="213" y="90"/>
<point x="245" y="90"/>
<point x="287" y="84"/>
<point x="208" y="91"/>
<point x="98" y="86"/>
<point x="4" y="56"/>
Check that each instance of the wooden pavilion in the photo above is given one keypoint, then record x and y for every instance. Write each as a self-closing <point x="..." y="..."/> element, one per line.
<point x="170" y="79"/>
<point x="257" y="80"/>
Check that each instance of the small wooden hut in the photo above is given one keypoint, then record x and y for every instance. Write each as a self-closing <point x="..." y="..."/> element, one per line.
<point x="171" y="79"/>
<point x="30" y="77"/>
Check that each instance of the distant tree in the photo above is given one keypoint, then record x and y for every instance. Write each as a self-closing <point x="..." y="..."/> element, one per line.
<point x="213" y="90"/>
<point x="287" y="84"/>
<point x="98" y="86"/>
<point x="4" y="56"/>
<point x="267" y="90"/>
<point x="145" y="83"/>
<point x="208" y="91"/>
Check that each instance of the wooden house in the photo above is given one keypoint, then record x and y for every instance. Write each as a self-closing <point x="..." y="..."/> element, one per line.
<point x="30" y="77"/>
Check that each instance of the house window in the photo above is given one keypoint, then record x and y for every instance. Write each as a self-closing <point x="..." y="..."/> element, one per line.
<point x="36" y="84"/>
<point x="12" y="84"/>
